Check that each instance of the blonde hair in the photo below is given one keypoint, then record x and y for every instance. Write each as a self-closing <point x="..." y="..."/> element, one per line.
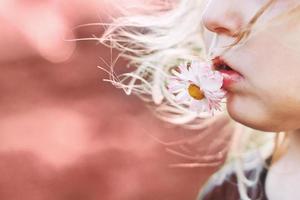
<point x="154" y="43"/>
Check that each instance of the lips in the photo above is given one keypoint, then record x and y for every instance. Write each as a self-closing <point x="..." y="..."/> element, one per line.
<point x="230" y="75"/>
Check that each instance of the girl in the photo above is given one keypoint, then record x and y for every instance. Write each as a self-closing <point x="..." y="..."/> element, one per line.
<point x="258" y="42"/>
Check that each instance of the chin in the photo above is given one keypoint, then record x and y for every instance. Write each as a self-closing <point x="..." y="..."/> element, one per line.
<point x="244" y="112"/>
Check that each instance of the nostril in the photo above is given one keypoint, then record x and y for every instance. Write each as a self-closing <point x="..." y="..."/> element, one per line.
<point x="221" y="30"/>
<point x="223" y="27"/>
<point x="222" y="21"/>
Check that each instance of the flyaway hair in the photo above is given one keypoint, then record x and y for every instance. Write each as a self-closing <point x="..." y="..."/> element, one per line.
<point x="155" y="40"/>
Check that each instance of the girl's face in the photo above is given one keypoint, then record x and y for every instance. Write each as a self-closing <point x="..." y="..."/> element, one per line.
<point x="268" y="95"/>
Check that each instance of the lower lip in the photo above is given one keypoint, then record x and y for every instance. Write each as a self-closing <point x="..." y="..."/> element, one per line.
<point x="230" y="77"/>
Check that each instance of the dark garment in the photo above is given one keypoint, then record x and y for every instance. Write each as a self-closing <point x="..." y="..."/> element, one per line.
<point x="228" y="190"/>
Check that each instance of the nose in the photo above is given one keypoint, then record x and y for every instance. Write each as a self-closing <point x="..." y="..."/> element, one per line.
<point x="223" y="18"/>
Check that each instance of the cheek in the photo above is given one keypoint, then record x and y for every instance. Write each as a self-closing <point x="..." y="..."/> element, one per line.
<point x="271" y="66"/>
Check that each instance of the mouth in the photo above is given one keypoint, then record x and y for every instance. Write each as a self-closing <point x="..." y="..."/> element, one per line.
<point x="219" y="64"/>
<point x="230" y="75"/>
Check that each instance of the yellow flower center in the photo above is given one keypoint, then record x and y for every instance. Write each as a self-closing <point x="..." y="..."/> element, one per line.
<point x="196" y="92"/>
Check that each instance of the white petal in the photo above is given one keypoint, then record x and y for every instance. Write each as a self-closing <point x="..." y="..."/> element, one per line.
<point x="174" y="83"/>
<point x="183" y="68"/>
<point x="211" y="83"/>
<point x="176" y="88"/>
<point x="179" y="75"/>
<point x="193" y="76"/>
<point x="195" y="68"/>
<point x="182" y="97"/>
<point x="206" y="106"/>
<point x="197" y="106"/>
<point x="204" y="68"/>
<point x="217" y="95"/>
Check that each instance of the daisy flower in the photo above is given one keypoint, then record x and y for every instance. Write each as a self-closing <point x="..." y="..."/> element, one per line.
<point x="197" y="86"/>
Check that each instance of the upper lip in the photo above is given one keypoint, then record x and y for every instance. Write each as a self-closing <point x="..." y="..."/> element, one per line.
<point x="219" y="61"/>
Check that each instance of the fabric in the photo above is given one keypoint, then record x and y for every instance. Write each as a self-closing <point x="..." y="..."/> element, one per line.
<point x="229" y="190"/>
<point x="224" y="185"/>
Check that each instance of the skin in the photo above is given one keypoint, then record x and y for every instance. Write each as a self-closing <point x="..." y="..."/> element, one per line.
<point x="268" y="97"/>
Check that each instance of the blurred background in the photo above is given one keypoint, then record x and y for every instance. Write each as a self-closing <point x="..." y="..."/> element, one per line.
<point x="64" y="133"/>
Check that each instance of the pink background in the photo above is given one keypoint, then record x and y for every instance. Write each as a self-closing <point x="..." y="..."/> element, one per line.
<point x="65" y="134"/>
